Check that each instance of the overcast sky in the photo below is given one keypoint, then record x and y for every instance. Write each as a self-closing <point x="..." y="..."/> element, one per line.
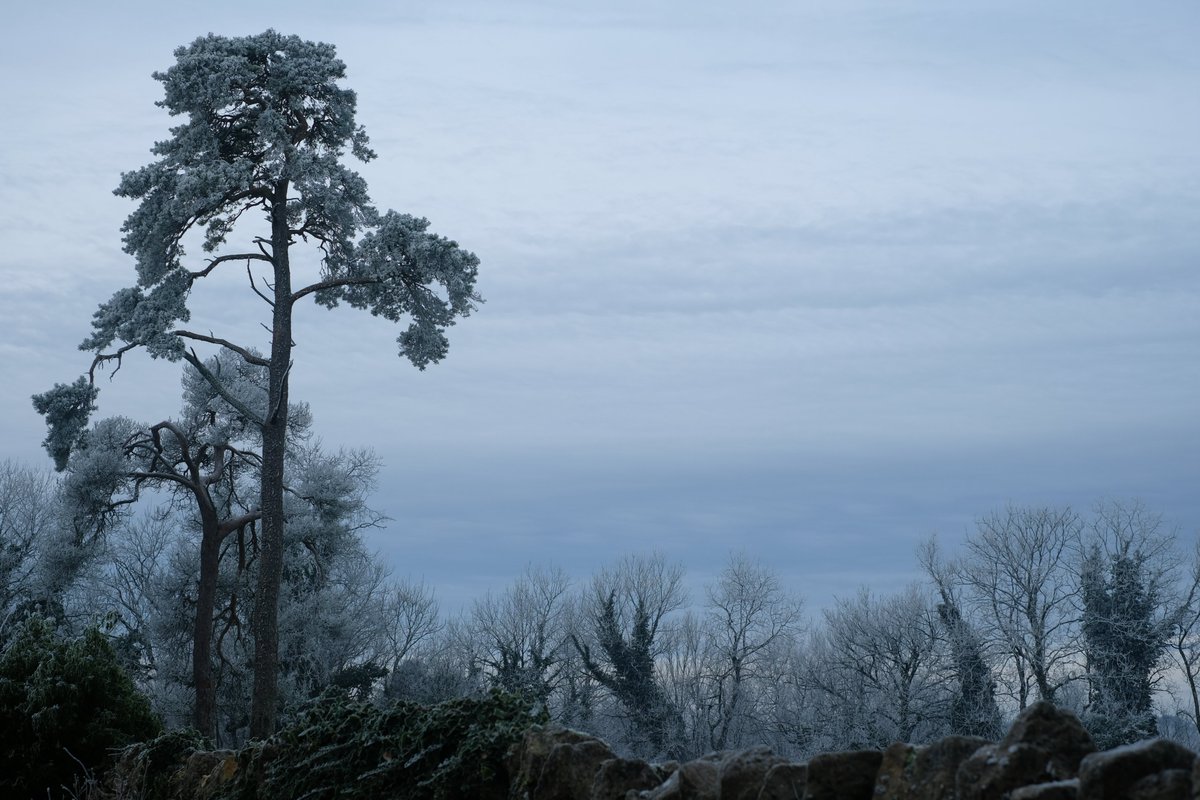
<point x="811" y="280"/>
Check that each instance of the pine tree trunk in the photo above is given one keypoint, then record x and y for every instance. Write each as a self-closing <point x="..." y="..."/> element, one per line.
<point x="265" y="619"/>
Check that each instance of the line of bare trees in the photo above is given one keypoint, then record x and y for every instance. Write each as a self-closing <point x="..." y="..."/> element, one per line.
<point x="1096" y="612"/>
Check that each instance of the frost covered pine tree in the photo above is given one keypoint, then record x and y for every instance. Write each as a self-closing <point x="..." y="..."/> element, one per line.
<point x="265" y="126"/>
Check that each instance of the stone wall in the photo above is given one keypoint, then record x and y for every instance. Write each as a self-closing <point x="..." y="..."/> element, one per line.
<point x="1046" y="755"/>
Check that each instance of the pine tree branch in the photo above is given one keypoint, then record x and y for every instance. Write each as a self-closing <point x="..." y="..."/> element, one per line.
<point x="213" y="263"/>
<point x="246" y="355"/>
<point x="332" y="283"/>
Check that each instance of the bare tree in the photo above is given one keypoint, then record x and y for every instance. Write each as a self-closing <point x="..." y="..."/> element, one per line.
<point x="128" y="587"/>
<point x="1019" y="570"/>
<point x="522" y="634"/>
<point x="879" y="661"/>
<point x="411" y="617"/>
<point x="685" y="670"/>
<point x="29" y="517"/>
<point x="793" y="704"/>
<point x="749" y="614"/>
<point x="1185" y="641"/>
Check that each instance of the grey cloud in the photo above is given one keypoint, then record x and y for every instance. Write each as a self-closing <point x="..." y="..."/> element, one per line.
<point x="828" y="522"/>
<point x="810" y="280"/>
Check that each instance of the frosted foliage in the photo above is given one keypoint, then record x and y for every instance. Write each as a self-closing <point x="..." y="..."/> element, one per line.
<point x="334" y="611"/>
<point x="263" y="128"/>
<point x="67" y="408"/>
<point x="330" y="615"/>
<point x="731" y="671"/>
<point x="1127" y="579"/>
<point x="246" y="382"/>
<point x="144" y="318"/>
<point x="207" y="463"/>
<point x="29" y="520"/>
<point x="170" y="596"/>
<point x="214" y="419"/>
<point x="258" y="109"/>
<point x="265" y="122"/>
<point x="328" y="621"/>
<point x="98" y="470"/>
<point x="392" y="272"/>
<point x="112" y="462"/>
<point x="335" y="485"/>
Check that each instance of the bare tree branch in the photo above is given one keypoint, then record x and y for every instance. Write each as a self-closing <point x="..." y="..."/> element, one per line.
<point x="249" y="357"/>
<point x="213" y="263"/>
<point x="254" y="287"/>
<point x="102" y="357"/>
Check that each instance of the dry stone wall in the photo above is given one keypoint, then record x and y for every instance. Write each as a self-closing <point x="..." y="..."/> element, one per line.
<point x="1046" y="755"/>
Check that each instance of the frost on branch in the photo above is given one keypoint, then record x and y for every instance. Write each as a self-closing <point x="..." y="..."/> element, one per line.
<point x="140" y="318"/>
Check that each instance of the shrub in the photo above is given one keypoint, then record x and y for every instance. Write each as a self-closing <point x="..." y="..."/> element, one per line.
<point x="344" y="748"/>
<point x="144" y="770"/>
<point x="65" y="706"/>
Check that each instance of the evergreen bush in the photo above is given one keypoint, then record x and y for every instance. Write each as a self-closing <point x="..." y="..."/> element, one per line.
<point x="66" y="706"/>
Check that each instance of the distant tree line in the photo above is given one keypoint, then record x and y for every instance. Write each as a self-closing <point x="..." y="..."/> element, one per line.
<point x="1099" y="613"/>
